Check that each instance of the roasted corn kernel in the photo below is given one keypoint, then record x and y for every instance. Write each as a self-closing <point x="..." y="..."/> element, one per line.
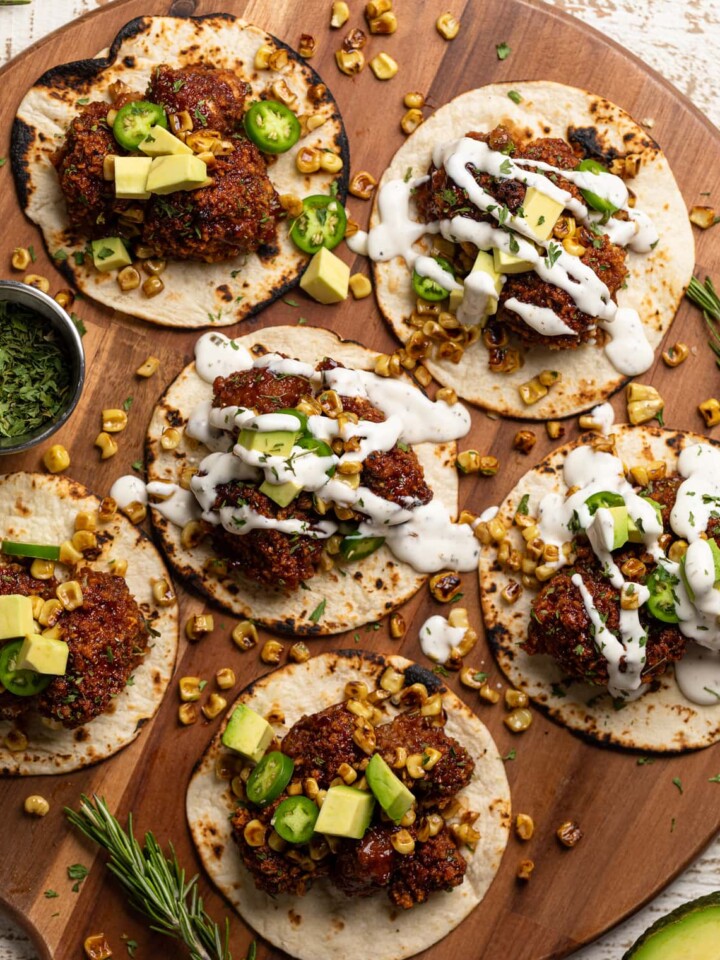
<point x="97" y="947"/>
<point x="519" y="720"/>
<point x="187" y="714"/>
<point x="299" y="652"/>
<point x="375" y="8"/>
<point x="383" y="66"/>
<point x="225" y="678"/>
<point x="148" y="368"/>
<point x="36" y="806"/>
<point x="525" y="869"/>
<point x="16" y="741"/>
<point x="271" y="652"/>
<point x="445" y="586"/>
<point x="190" y="688"/>
<point x="307" y="160"/>
<point x="254" y="833"/>
<point x="340" y="14"/>
<point x="411" y="120"/>
<point x="162" y="592"/>
<point x="703" y="217"/>
<point x="135" y="511"/>
<point x="360" y="286"/>
<point x="66" y="298"/>
<point x="21" y="258"/>
<point x="532" y="391"/>
<point x="392" y="680"/>
<point x="362" y="185"/>
<point x="199" y="625"/>
<point x="245" y="635"/>
<point x="447" y="25"/>
<point x="349" y="62"/>
<point x="114" y="420"/>
<point x="214" y="706"/>
<point x="70" y="594"/>
<point x="512" y="592"/>
<point x="69" y="554"/>
<point x="307" y="46"/>
<point x="37" y="281"/>
<point x="676" y="354"/>
<point x="643" y="403"/>
<point x="515" y="698"/>
<point x="291" y="204"/>
<point x="397" y="626"/>
<point x="42" y="569"/>
<point x="107" y="446"/>
<point x="569" y="833"/>
<point x="524" y="826"/>
<point x="574" y="247"/>
<point x="153" y="286"/>
<point x="524" y="441"/>
<point x="128" y="279"/>
<point x="56" y="458"/>
<point x="710" y="412"/>
<point x="170" y="438"/>
<point x="385" y="24"/>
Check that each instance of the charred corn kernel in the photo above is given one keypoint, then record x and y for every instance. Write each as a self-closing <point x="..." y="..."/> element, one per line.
<point x="69" y="554"/>
<point x="56" y="458"/>
<point x="299" y="652"/>
<point x="676" y="354"/>
<point x="639" y="476"/>
<point x="15" y="741"/>
<point x="70" y="594"/>
<point x="153" y="267"/>
<point x="307" y="160"/>
<point x="710" y="411"/>
<point x="414" y="99"/>
<point x="237" y="785"/>
<point x="519" y="720"/>
<point x="21" y="258"/>
<point x="587" y="422"/>
<point x="524" y="826"/>
<point x="254" y="833"/>
<point x="641" y="411"/>
<point x="488" y="466"/>
<point x="36" y="806"/>
<point x="97" y="947"/>
<point x="350" y="62"/>
<point x="110" y="119"/>
<point x="411" y="120"/>
<point x="375" y="8"/>
<point x="356" y="690"/>
<point x="214" y="706"/>
<point x="340" y="14"/>
<point x="282" y="92"/>
<point x="225" y="678"/>
<point x="573" y="247"/>
<point x="42" y="569"/>
<point x="383" y="66"/>
<point x="385" y="24"/>
<point x="291" y="204"/>
<point x="276" y="842"/>
<point x="524" y="441"/>
<point x="629" y="597"/>
<point x="85" y="520"/>
<point x="447" y="25"/>
<point x="511" y="592"/>
<point x="271" y="652"/>
<point x="262" y="57"/>
<point x="189" y="689"/>
<point x="467" y="517"/>
<point x="107" y="446"/>
<point x="497" y="529"/>
<point x="35" y="280"/>
<point x="656" y="469"/>
<point x="317" y="93"/>
<point x="135" y="511"/>
<point x="447" y="395"/>
<point x="65" y="298"/>
<point x="225" y="768"/>
<point x="278" y="60"/>
<point x="503" y="554"/>
<point x="555" y="429"/>
<point x="532" y="391"/>
<point x="432" y="707"/>
<point x="544" y="571"/>
<point x="392" y="680"/>
<point x="397" y="626"/>
<point x="387" y="366"/>
<point x="472" y="678"/>
<point x="430" y="756"/>
<point x="187" y="714"/>
<point x="569" y="833"/>
<point x="314" y="121"/>
<point x="192" y="534"/>
<point x="162" y="592"/>
<point x="294" y="789"/>
<point x="153" y="286"/>
<point x="678" y="550"/>
<point x="360" y="708"/>
<point x="551" y="553"/>
<point x="51" y="612"/>
<point x="148" y="368"/>
<point x="515" y="698"/>
<point x="634" y="569"/>
<point x="170" y="438"/>
<point x="362" y="184"/>
<point x="703" y="217"/>
<point x="482" y="532"/>
<point x="187" y="473"/>
<point x="403" y="842"/>
<point x="414" y="766"/>
<point x="128" y="279"/>
<point x="445" y="586"/>
<point x="409" y="818"/>
<point x="114" y="420"/>
<point x="564" y="227"/>
<point x="37" y="604"/>
<point x="549" y="378"/>
<point x="468" y="461"/>
<point x="525" y="869"/>
<point x="199" y="625"/>
<point x="360" y="286"/>
<point x="466" y="834"/>
<point x="307" y="46"/>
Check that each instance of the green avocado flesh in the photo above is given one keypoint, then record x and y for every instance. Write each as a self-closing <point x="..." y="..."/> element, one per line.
<point x="692" y="932"/>
<point x="390" y="792"/>
<point x="275" y="443"/>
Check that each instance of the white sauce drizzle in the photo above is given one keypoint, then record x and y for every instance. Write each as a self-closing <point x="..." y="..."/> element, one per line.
<point x="604" y="414"/>
<point x="698" y="675"/>
<point x="438" y="638"/>
<point x="128" y="489"/>
<point x="542" y="319"/>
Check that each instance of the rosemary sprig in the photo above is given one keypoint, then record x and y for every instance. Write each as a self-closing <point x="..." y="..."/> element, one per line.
<point x="154" y="884"/>
<point x="705" y="296"/>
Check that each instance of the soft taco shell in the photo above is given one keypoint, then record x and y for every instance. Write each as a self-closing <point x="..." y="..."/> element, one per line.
<point x="662" y="719"/>
<point x="656" y="281"/>
<point x="371" y="588"/>
<point x="40" y="508"/>
<point x="196" y="294"/>
<point x="325" y="924"/>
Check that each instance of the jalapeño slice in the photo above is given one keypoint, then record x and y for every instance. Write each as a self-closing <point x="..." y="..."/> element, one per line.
<point x="295" y="819"/>
<point x="321" y="224"/>
<point x="272" y="126"/>
<point x="292" y="412"/>
<point x="596" y="202"/>
<point x="357" y="548"/>
<point x="23" y="683"/>
<point x="661" y="602"/>
<point x="269" y="778"/>
<point x="135" y="120"/>
<point x="317" y="446"/>
<point x="604" y="498"/>
<point x="41" y="551"/>
<point x="428" y="289"/>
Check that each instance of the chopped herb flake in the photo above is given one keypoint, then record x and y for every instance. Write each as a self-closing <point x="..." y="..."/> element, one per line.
<point x="515" y="96"/>
<point x="502" y="50"/>
<point x="317" y="613"/>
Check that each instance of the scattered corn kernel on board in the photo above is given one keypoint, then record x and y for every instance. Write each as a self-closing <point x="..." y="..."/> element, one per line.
<point x="640" y="828"/>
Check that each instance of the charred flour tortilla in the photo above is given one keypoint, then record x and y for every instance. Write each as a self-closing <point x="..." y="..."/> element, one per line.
<point x="38" y="508"/>
<point x="370" y="588"/>
<point x="196" y="294"/>
<point x="662" y="719"/>
<point x="656" y="280"/>
<point x="325" y="924"/>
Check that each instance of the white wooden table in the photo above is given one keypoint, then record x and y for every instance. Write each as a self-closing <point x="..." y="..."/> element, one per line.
<point x="681" y="41"/>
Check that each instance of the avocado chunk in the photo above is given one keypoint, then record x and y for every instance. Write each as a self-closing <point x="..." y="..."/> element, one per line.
<point x="275" y="443"/>
<point x="16" y="616"/>
<point x="247" y="733"/>
<point x="541" y="212"/>
<point x="390" y="792"/>
<point x="131" y="176"/>
<point x="715" y="551"/>
<point x="43" y="655"/>
<point x="507" y="263"/>
<point x="346" y="812"/>
<point x="484" y="262"/>
<point x="160" y="142"/>
<point x="635" y="534"/>
<point x="692" y="931"/>
<point x="606" y="537"/>
<point x="326" y="278"/>
<point x="281" y="493"/>
<point x="110" y="254"/>
<point x="177" y="172"/>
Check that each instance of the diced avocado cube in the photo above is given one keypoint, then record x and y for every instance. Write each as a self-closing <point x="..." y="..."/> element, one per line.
<point x="131" y="176"/>
<point x="160" y="143"/>
<point x="177" y="172"/>
<point x="281" y="493"/>
<point x="110" y="254"/>
<point x="507" y="263"/>
<point x="456" y="298"/>
<point x="346" y="812"/>
<point x="390" y="792"/>
<point x="635" y="534"/>
<point x="16" y="616"/>
<point x="43" y="654"/>
<point x="483" y="261"/>
<point x="620" y="526"/>
<point x="541" y="212"/>
<point x="247" y="733"/>
<point x="326" y="278"/>
<point x="715" y="550"/>
<point x="275" y="443"/>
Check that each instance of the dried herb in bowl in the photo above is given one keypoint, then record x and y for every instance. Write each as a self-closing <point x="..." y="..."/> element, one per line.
<point x="35" y="371"/>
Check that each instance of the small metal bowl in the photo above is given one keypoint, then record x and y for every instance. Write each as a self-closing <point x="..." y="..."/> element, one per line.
<point x="41" y="303"/>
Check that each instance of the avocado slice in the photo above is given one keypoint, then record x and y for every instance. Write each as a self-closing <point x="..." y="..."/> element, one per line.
<point x="43" y="655"/>
<point x="16" y="616"/>
<point x="620" y="527"/>
<point x="635" y="534"/>
<point x="247" y="733"/>
<point x="281" y="493"/>
<point x="390" y="792"/>
<point x="693" y="931"/>
<point x="346" y="812"/>
<point x="276" y="443"/>
<point x="715" y="550"/>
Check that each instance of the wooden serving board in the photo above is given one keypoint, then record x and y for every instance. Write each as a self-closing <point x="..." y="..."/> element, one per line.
<point x="640" y="829"/>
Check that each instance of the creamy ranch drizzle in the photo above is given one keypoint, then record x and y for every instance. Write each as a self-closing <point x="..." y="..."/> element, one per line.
<point x="592" y="471"/>
<point x="422" y="535"/>
<point x="397" y="233"/>
<point x="438" y="638"/>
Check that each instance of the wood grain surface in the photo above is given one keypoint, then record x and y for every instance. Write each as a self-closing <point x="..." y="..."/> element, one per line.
<point x="640" y="830"/>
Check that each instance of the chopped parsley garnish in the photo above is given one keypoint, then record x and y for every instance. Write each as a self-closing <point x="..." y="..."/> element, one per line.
<point x="480" y="677"/>
<point x="515" y="96"/>
<point x="522" y="507"/>
<point x="644" y="761"/>
<point x="678" y="783"/>
<point x="127" y="403"/>
<point x="50" y="894"/>
<point x="714" y="779"/>
<point x="510" y="756"/>
<point x="178" y="85"/>
<point x="553" y="253"/>
<point x="77" y="872"/>
<point x="440" y="670"/>
<point x="60" y="255"/>
<point x="513" y="244"/>
<point x="408" y="174"/>
<point x="31" y="251"/>
<point x="79" y="257"/>
<point x="506" y="167"/>
<point x="502" y="50"/>
<point x="558" y="690"/>
<point x="202" y="118"/>
<point x="3" y="161"/>
<point x="132" y="945"/>
<point x="83" y="100"/>
<point x="317" y="613"/>
<point x="103" y="253"/>
<point x="289" y="302"/>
